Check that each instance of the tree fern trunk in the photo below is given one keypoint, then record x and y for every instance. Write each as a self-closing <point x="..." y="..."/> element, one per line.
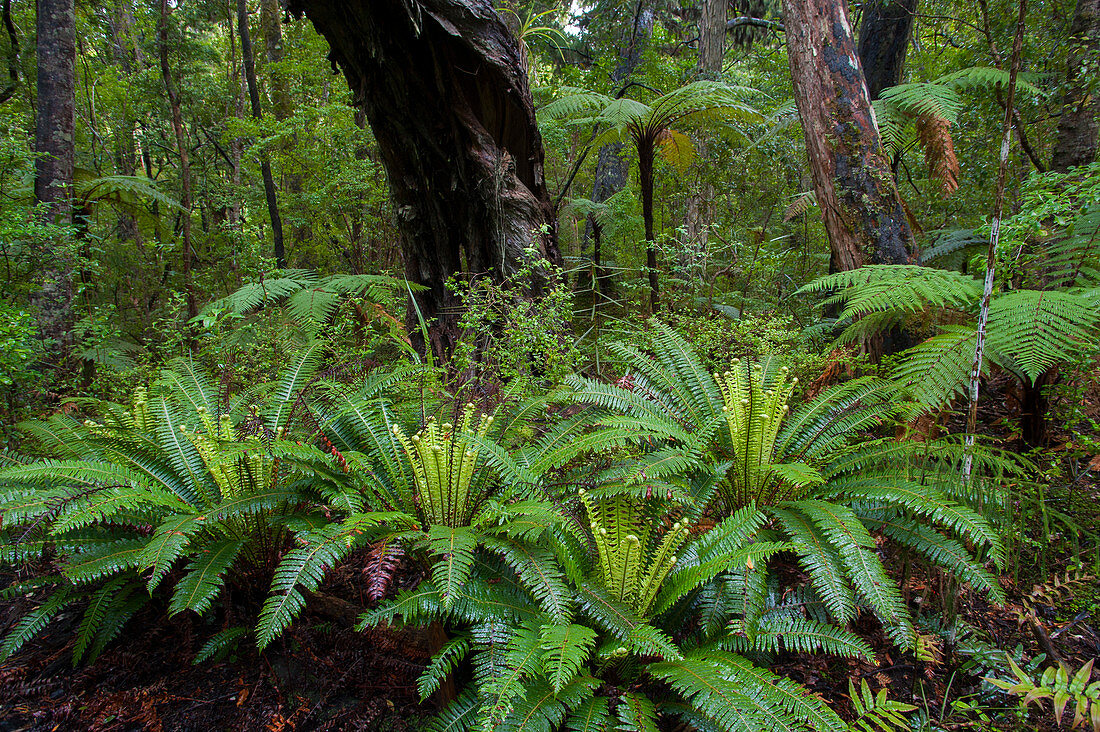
<point x="444" y="91"/>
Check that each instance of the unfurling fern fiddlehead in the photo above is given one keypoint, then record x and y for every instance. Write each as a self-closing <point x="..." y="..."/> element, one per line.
<point x="633" y="563"/>
<point x="443" y="459"/>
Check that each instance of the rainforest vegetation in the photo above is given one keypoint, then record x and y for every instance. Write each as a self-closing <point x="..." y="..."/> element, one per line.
<point x="656" y="365"/>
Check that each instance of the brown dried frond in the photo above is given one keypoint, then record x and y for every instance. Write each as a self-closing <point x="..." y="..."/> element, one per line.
<point x="939" y="151"/>
<point x="800" y="205"/>
<point x="381" y="566"/>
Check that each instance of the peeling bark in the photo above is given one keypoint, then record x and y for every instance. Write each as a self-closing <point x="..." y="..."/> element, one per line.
<point x="443" y="88"/>
<point x="852" y="178"/>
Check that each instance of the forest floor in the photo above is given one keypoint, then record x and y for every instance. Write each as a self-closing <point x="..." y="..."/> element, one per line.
<point x="322" y="675"/>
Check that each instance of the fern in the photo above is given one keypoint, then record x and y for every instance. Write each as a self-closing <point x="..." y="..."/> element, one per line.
<point x="566" y="649"/>
<point x="205" y="577"/>
<point x="220" y="645"/>
<point x="876" y="713"/>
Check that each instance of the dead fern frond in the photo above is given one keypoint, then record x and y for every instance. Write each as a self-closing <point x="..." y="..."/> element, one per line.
<point x="934" y="133"/>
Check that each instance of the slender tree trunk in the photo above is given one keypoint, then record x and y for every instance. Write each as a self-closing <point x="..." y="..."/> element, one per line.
<point x="257" y="112"/>
<point x="185" y="159"/>
<point x="883" y="39"/>
<point x="1076" y="141"/>
<point x="54" y="143"/>
<point x="991" y="252"/>
<point x="444" y="91"/>
<point x="13" y="53"/>
<point x="271" y="21"/>
<point x="712" y="49"/>
<point x="645" y="180"/>
<point x="852" y="177"/>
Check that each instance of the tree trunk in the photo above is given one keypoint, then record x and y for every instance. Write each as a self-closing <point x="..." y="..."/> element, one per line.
<point x="1076" y="141"/>
<point x="271" y="21"/>
<point x="712" y="37"/>
<point x="712" y="49"/>
<point x="612" y="163"/>
<point x="852" y="177"/>
<point x="185" y="159"/>
<point x="13" y="54"/>
<point x="54" y="143"/>
<point x="444" y="91"/>
<point x="257" y="112"/>
<point x="1075" y="144"/>
<point x="646" y="149"/>
<point x="883" y="39"/>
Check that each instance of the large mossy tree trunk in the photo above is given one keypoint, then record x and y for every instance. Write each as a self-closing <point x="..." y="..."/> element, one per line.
<point x="852" y="178"/>
<point x="53" y="179"/>
<point x="446" y="95"/>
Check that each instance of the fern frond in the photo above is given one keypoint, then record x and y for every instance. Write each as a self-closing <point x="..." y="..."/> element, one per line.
<point x="565" y="651"/>
<point x="34" y="622"/>
<point x="306" y="566"/>
<point x="740" y="696"/>
<point x="103" y="560"/>
<point x="220" y="645"/>
<point x="1037" y="329"/>
<point x="621" y="622"/>
<point x="442" y="665"/>
<point x="205" y="577"/>
<point x="453" y="550"/>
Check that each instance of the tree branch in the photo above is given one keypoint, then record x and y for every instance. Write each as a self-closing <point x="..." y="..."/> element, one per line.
<point x="757" y="22"/>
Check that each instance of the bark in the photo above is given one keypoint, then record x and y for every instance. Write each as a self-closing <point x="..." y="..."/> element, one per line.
<point x="185" y="160"/>
<point x="852" y="178"/>
<point x="1076" y="140"/>
<point x="13" y="54"/>
<point x="1074" y="144"/>
<point x="883" y="39"/>
<point x="54" y="143"/>
<point x="712" y="37"/>
<point x="712" y="49"/>
<point x="442" y="85"/>
<point x="265" y="165"/>
<point x="271" y="22"/>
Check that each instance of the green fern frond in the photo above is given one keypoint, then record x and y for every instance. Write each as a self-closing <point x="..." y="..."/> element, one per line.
<point x="566" y="649"/>
<point x="1037" y="329"/>
<point x="637" y="713"/>
<point x="307" y="565"/>
<point x="621" y="622"/>
<point x="104" y="560"/>
<point x="593" y="715"/>
<point x="205" y="577"/>
<point x="740" y="696"/>
<point x="35" y="622"/>
<point x="220" y="645"/>
<point x="453" y="550"/>
<point x="936" y="371"/>
<point x="442" y="665"/>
